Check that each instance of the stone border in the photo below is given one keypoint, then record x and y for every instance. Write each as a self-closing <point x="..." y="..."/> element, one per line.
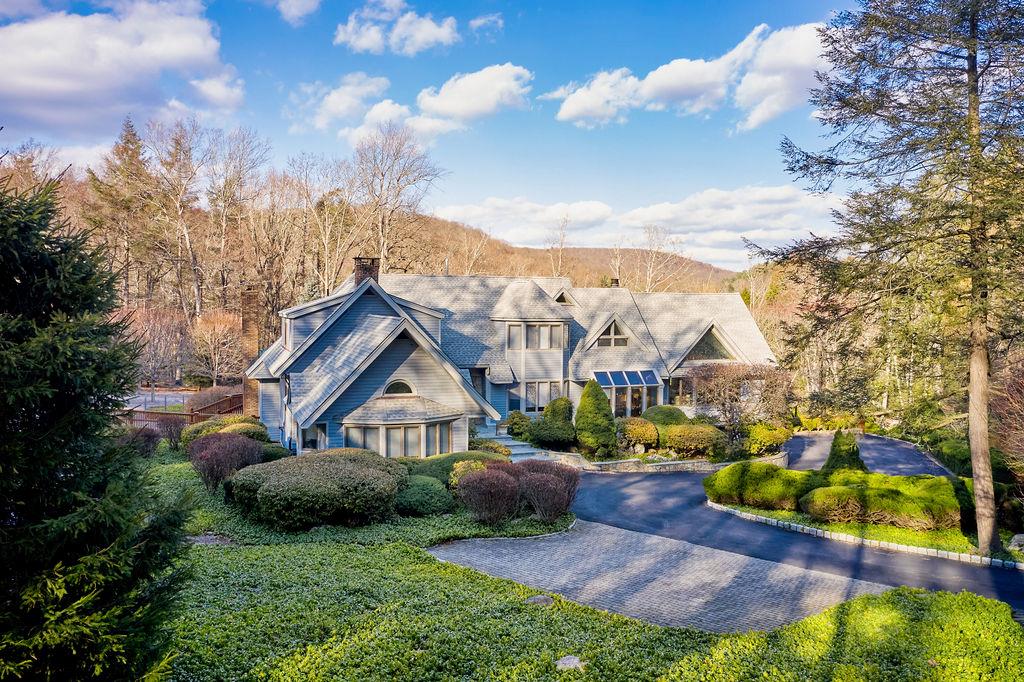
<point x="855" y="540"/>
<point x="636" y="465"/>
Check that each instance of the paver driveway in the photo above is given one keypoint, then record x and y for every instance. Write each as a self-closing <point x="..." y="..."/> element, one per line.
<point x="660" y="580"/>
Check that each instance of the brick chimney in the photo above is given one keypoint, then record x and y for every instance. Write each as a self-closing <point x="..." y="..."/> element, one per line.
<point x="615" y="282"/>
<point x="366" y="266"/>
<point x="250" y="308"/>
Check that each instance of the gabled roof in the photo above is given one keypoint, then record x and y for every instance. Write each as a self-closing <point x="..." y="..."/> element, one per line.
<point x="524" y="300"/>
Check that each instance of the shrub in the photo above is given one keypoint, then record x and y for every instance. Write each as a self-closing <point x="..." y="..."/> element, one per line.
<point x="333" y="486"/>
<point x="552" y="434"/>
<point x="491" y="496"/>
<point x="559" y="409"/>
<point x="423" y="496"/>
<point x="217" y="456"/>
<point x="665" y="415"/>
<point x="440" y="466"/>
<point x="518" y="425"/>
<point x="461" y="469"/>
<point x="637" y="433"/>
<point x="200" y="429"/>
<point x="484" y="445"/>
<point x="546" y="495"/>
<point x="844" y="454"/>
<point x="514" y="470"/>
<point x="889" y="506"/>
<point x="254" y="431"/>
<point x="840" y="421"/>
<point x="693" y="440"/>
<point x="595" y="425"/>
<point x="761" y="485"/>
<point x="273" y="452"/>
<point x="143" y="440"/>
<point x="569" y="476"/>
<point x="764" y="439"/>
<point x="170" y="427"/>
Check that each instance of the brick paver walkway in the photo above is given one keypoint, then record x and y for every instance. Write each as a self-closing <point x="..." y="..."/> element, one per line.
<point x="658" y="579"/>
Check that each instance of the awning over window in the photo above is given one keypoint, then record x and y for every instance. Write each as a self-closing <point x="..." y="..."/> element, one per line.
<point x="646" y="377"/>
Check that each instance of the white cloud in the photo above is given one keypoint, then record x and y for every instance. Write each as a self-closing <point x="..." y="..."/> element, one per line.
<point x="780" y="74"/>
<point x="710" y="224"/>
<point x="82" y="73"/>
<point x="481" y="93"/>
<point x="426" y="128"/>
<point x="83" y="156"/>
<point x="487" y="23"/>
<point x="295" y="11"/>
<point x="381" y="24"/>
<point x="224" y="91"/>
<point x="320" y="106"/>
<point x="11" y="9"/>
<point x="764" y="75"/>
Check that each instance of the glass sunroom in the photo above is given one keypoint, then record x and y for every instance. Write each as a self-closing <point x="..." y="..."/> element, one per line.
<point x="630" y="391"/>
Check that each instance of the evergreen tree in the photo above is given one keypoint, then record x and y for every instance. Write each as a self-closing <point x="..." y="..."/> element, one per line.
<point x="87" y="546"/>
<point x="595" y="424"/>
<point x="925" y="102"/>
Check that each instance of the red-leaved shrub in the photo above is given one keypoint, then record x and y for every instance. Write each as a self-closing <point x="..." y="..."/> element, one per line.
<point x="547" y="494"/>
<point x="491" y="496"/>
<point x="143" y="439"/>
<point x="217" y="456"/>
<point x="569" y="476"/>
<point x="170" y="427"/>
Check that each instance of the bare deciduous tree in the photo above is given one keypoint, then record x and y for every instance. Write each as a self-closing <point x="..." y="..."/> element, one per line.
<point x="216" y="351"/>
<point x="161" y="332"/>
<point x="739" y="392"/>
<point x="557" y="242"/>
<point x="658" y="261"/>
<point x="393" y="174"/>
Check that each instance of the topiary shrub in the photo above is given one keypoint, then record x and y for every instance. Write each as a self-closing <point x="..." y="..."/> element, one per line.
<point x="844" y="454"/>
<point x="888" y="506"/>
<point x="637" y="434"/>
<point x="759" y="484"/>
<point x="595" y="425"/>
<point x="484" y="445"/>
<point x="546" y="495"/>
<point x="554" y="429"/>
<point x="491" y="496"/>
<point x="462" y="468"/>
<point x="765" y="439"/>
<point x="218" y="456"/>
<point x="273" y="452"/>
<point x="440" y="466"/>
<point x="693" y="440"/>
<point x="143" y="440"/>
<point x="665" y="415"/>
<point x="170" y="427"/>
<point x="255" y="431"/>
<point x="200" y="429"/>
<point x="423" y="496"/>
<point x="518" y="425"/>
<point x="569" y="476"/>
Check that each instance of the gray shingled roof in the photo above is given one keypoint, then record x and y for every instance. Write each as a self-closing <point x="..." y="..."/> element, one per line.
<point x="326" y="373"/>
<point x="524" y="300"/>
<point x="261" y="368"/>
<point x="400" y="410"/>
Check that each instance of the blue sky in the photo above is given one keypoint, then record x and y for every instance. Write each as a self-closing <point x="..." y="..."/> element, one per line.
<point x="613" y="114"/>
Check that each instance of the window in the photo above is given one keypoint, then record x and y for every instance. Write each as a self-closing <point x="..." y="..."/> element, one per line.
<point x="314" y="437"/>
<point x="681" y="392"/>
<point x="514" y="400"/>
<point x="431" y="439"/>
<point x="636" y="401"/>
<point x="412" y="441"/>
<point x="515" y="336"/>
<point x="544" y="336"/>
<point x="620" y="402"/>
<point x="709" y="348"/>
<point x="532" y="336"/>
<point x="613" y="336"/>
<point x="394" y="441"/>
<point x="367" y="437"/>
<point x="531" y="396"/>
<point x="478" y="375"/>
<point x="539" y="394"/>
<point x="398" y="388"/>
<point x="563" y="299"/>
<point x="445" y="438"/>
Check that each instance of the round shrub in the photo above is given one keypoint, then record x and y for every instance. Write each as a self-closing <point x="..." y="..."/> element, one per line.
<point x="665" y="415"/>
<point x="595" y="425"/>
<point x="170" y="427"/>
<point x="855" y="504"/>
<point x="570" y="476"/>
<point x="764" y="439"/>
<point x="200" y="429"/>
<point x="693" y="440"/>
<point x="559" y="409"/>
<point x="217" y="456"/>
<point x="518" y="425"/>
<point x="254" y="431"/>
<point x="758" y="484"/>
<point x="143" y="440"/>
<point x="273" y="452"/>
<point x="547" y="496"/>
<point x="552" y="434"/>
<point x="491" y="496"/>
<point x="461" y="469"/>
<point x="237" y="419"/>
<point x="637" y="433"/>
<point x="484" y="445"/>
<point x="423" y="496"/>
<point x="440" y="466"/>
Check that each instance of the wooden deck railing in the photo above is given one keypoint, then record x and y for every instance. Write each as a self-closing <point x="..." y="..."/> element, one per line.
<point x="231" y="404"/>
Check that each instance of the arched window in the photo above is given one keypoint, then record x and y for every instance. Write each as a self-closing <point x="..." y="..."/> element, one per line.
<point x="398" y="388"/>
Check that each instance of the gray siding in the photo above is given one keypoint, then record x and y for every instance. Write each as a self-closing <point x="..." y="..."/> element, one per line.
<point x="499" y="398"/>
<point x="460" y="435"/>
<point x="543" y="364"/>
<point x="403" y="359"/>
<point x="270" y="408"/>
<point x="368" y="304"/>
<point x="302" y="327"/>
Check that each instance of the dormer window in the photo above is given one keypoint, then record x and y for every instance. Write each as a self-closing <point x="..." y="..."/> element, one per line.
<point x="613" y="336"/>
<point x="398" y="388"/>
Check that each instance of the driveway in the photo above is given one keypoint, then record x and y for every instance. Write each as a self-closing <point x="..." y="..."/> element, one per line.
<point x="809" y="449"/>
<point x="896" y="457"/>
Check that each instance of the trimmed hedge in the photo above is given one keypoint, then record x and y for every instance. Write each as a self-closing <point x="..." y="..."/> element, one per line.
<point x="273" y="452"/>
<point x="665" y="415"/>
<point x="440" y="466"/>
<point x="423" y="496"/>
<point x="844" y="454"/>
<point x="255" y="431"/>
<point x="886" y="506"/>
<point x="693" y="440"/>
<point x="759" y="484"/>
<point x="765" y="439"/>
<point x="518" y="425"/>
<point x="213" y="425"/>
<point x="637" y="432"/>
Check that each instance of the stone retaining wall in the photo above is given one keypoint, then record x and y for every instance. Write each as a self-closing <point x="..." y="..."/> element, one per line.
<point x="780" y="459"/>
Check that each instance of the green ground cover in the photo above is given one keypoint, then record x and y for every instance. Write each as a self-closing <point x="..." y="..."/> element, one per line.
<point x="391" y="612"/>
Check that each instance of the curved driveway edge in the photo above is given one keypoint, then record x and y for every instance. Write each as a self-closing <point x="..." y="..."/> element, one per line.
<point x="658" y="579"/>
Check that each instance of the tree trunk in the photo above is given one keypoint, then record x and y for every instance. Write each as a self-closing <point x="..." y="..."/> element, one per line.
<point x="978" y="384"/>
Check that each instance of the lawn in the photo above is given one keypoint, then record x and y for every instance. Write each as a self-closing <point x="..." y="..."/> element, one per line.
<point x="384" y="612"/>
<point x="950" y="540"/>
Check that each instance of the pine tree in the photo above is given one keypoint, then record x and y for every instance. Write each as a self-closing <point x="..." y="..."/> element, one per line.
<point x="595" y="424"/>
<point x="87" y="546"/>
<point x="925" y="102"/>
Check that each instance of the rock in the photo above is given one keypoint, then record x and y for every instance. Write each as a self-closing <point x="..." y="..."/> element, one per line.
<point x="542" y="599"/>
<point x="1017" y="542"/>
<point x="569" y="663"/>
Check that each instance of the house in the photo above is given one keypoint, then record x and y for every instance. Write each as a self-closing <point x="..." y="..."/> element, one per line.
<point x="402" y="364"/>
